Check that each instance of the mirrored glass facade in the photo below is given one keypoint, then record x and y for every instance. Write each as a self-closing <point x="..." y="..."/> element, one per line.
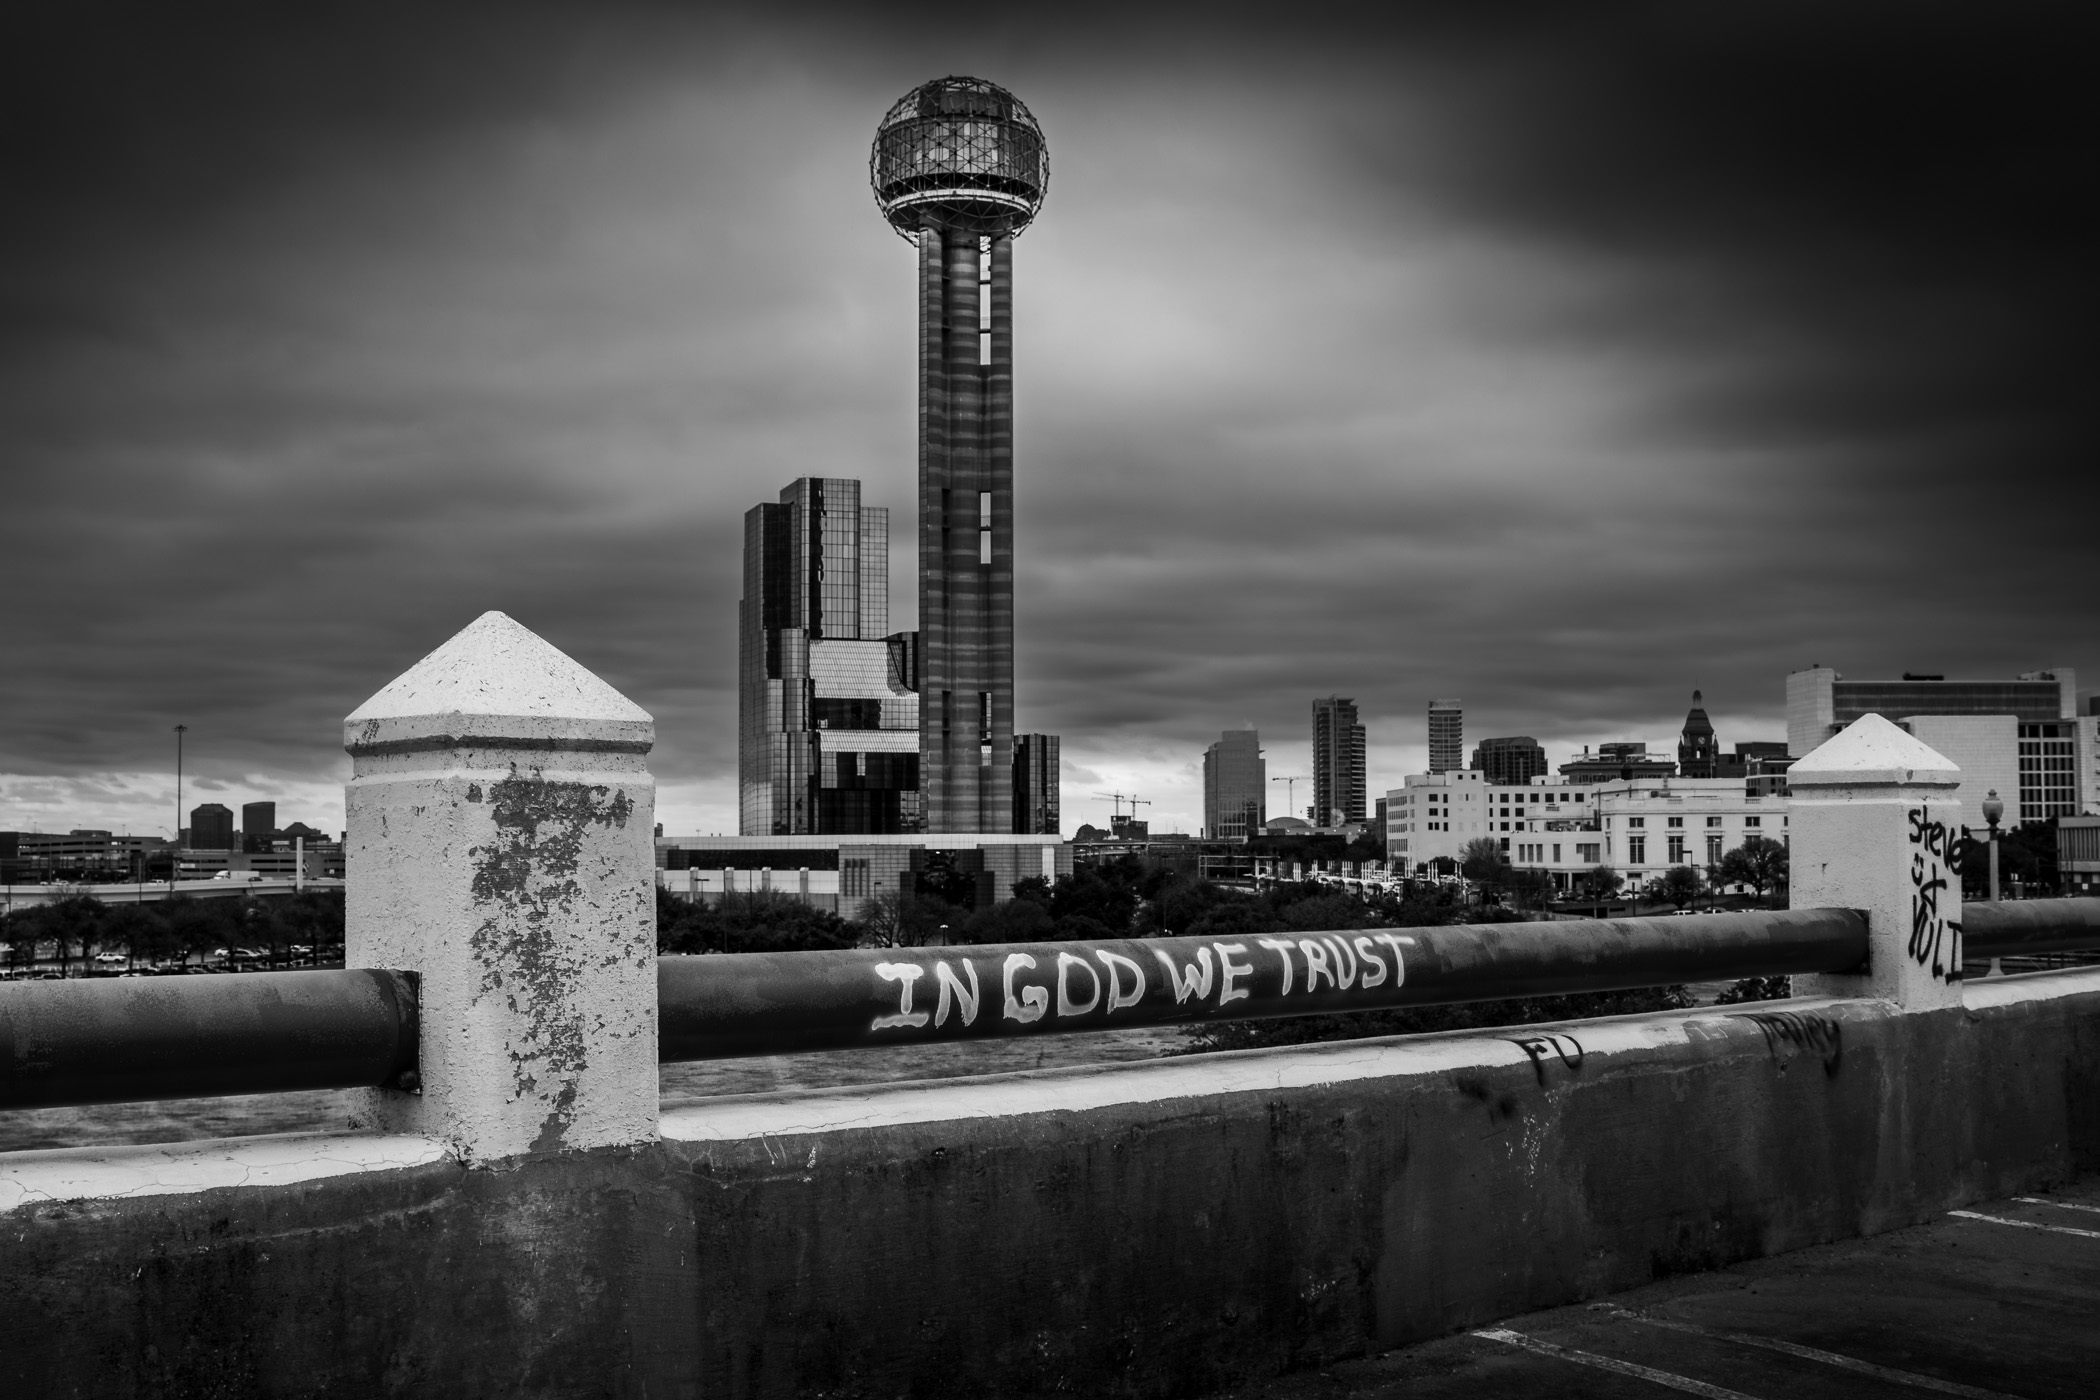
<point x="828" y="716"/>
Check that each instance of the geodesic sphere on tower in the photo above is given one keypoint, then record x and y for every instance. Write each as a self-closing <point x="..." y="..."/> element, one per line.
<point x="960" y="154"/>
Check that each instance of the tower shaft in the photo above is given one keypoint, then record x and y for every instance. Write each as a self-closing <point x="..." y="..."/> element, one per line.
<point x="966" y="582"/>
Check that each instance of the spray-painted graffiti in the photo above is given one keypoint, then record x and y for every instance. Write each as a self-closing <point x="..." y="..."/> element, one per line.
<point x="1066" y="984"/>
<point x="1557" y="1043"/>
<point x="1796" y="1032"/>
<point x="1935" y="938"/>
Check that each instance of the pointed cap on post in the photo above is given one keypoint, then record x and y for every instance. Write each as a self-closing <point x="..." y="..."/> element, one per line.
<point x="496" y="683"/>
<point x="1871" y="752"/>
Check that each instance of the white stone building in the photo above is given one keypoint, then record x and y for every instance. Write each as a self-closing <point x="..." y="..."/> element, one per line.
<point x="1640" y="827"/>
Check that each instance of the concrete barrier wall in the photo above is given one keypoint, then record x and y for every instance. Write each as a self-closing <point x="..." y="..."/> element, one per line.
<point x="1151" y="1229"/>
<point x="527" y="1222"/>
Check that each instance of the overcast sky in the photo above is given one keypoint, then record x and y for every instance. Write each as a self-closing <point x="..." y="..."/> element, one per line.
<point x="1558" y="358"/>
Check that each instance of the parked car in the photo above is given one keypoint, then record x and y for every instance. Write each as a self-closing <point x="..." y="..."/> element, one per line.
<point x="110" y="959"/>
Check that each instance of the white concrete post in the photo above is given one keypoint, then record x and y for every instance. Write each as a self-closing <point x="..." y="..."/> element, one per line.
<point x="1875" y="823"/>
<point x="499" y="845"/>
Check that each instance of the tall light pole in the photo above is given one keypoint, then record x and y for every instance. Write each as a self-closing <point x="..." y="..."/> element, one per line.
<point x="175" y="853"/>
<point x="1993" y="809"/>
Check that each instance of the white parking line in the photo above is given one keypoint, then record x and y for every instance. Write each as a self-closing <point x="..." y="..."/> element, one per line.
<point x="2060" y="1205"/>
<point x="1611" y="1363"/>
<point x="2027" y="1224"/>
<point x="1828" y="1358"/>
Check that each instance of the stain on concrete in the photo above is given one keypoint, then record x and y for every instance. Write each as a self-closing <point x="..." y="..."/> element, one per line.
<point x="525" y="884"/>
<point x="1789" y="1033"/>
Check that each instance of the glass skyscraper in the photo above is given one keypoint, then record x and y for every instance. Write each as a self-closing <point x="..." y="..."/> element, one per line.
<point x="828" y="706"/>
<point x="1338" y="762"/>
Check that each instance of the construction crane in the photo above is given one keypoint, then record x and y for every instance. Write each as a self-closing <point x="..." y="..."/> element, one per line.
<point x="1119" y="798"/>
<point x="1123" y="827"/>
<point x="1290" y="791"/>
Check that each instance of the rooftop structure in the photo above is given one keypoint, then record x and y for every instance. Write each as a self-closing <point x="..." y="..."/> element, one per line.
<point x="1616" y="761"/>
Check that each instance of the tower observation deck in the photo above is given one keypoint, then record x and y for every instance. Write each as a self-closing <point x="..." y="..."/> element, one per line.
<point x="959" y="168"/>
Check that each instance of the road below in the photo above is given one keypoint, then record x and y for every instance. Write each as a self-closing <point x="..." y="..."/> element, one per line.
<point x="2002" y="1299"/>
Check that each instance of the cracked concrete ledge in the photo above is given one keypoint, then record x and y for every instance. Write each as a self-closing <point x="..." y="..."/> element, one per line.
<point x="1234" y="1072"/>
<point x="2024" y="988"/>
<point x="179" y="1168"/>
<point x="1266" y="1071"/>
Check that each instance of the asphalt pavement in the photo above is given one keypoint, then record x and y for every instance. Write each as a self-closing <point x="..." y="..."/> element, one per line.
<point x="1998" y="1300"/>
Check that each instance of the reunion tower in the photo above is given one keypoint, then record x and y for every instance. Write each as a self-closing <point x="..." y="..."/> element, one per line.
<point x="959" y="168"/>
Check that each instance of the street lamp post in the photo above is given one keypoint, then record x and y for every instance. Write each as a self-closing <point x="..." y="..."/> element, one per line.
<point x="1993" y="809"/>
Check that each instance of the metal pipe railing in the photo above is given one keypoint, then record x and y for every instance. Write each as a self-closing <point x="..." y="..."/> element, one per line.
<point x="1999" y="929"/>
<point x="120" y="1039"/>
<point x="125" y="1039"/>
<point x="729" y="1004"/>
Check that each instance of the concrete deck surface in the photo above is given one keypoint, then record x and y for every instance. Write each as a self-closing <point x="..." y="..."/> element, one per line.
<point x="1982" y="1307"/>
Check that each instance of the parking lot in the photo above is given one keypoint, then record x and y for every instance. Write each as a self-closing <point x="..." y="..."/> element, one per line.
<point x="1998" y="1300"/>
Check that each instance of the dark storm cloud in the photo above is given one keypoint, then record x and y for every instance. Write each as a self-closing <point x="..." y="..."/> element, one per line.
<point x="1557" y="358"/>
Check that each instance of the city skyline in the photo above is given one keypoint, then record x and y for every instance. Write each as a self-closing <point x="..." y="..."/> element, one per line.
<point x="1593" y="394"/>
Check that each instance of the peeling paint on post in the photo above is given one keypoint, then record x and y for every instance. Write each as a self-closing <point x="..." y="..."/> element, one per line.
<point x="1874" y="819"/>
<point x="500" y="844"/>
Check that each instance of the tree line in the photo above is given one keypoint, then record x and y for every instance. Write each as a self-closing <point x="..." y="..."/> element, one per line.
<point x="181" y="932"/>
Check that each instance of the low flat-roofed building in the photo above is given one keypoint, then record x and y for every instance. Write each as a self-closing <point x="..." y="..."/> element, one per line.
<point x="2078" y="854"/>
<point x="1639" y="827"/>
<point x="841" y="873"/>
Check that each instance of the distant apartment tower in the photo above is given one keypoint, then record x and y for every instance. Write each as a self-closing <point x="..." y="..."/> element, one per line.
<point x="211" y="827"/>
<point x="1447" y="736"/>
<point x="1235" y="786"/>
<point x="828" y="709"/>
<point x="1338" y="762"/>
<point x="258" y="821"/>
<point x="1514" y="760"/>
<point x="1035" y="785"/>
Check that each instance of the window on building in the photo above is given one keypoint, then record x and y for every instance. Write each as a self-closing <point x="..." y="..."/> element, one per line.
<point x="1636" y="850"/>
<point x="1556" y="853"/>
<point x="1713" y="821"/>
<point x="1676" y="821"/>
<point x="1676" y="850"/>
<point x="1713" y="850"/>
<point x="1753" y="821"/>
<point x="1586" y="852"/>
<point x="1637" y="822"/>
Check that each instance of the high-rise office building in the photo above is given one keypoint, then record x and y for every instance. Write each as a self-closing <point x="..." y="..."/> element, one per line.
<point x="1513" y="760"/>
<point x="1447" y="736"/>
<point x="1698" y="750"/>
<point x="211" y="827"/>
<point x="2018" y="736"/>
<point x="1235" y="786"/>
<point x="959" y="168"/>
<point x="828" y="719"/>
<point x="258" y="821"/>
<point x="1338" y="762"/>
<point x="1820" y="701"/>
<point x="1035" y="785"/>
